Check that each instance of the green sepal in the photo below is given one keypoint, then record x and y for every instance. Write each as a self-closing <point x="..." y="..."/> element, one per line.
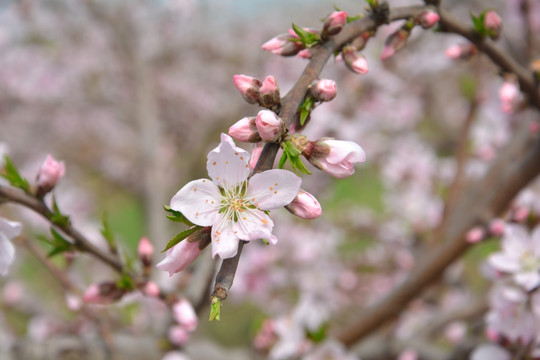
<point x="108" y="234"/>
<point x="215" y="309"/>
<point x="125" y="283"/>
<point x="478" y="24"/>
<point x="57" y="217"/>
<point x="58" y="242"/>
<point x="307" y="38"/>
<point x="350" y="19"/>
<point x="176" y="216"/>
<point x="305" y="108"/>
<point x="12" y="175"/>
<point x="181" y="236"/>
<point x="318" y="335"/>
<point x="292" y="153"/>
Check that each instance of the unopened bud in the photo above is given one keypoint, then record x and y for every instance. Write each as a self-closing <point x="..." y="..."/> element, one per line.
<point x="493" y="23"/>
<point x="475" y="235"/>
<point x="151" y="289"/>
<point x="180" y="256"/>
<point x="269" y="125"/>
<point x="509" y="95"/>
<point x="521" y="214"/>
<point x="178" y="335"/>
<point x="323" y="89"/>
<point x="354" y="60"/>
<point x="269" y="93"/>
<point x="335" y="157"/>
<point x="282" y="45"/>
<point x="305" y="54"/>
<point x="394" y="43"/>
<point x="334" y="23"/>
<point x="255" y="155"/>
<point x="103" y="293"/>
<point x="461" y="51"/>
<point x="48" y="175"/>
<point x="245" y="130"/>
<point x="427" y="19"/>
<point x="248" y="87"/>
<point x="305" y="206"/>
<point x="185" y="315"/>
<point x="145" y="250"/>
<point x="496" y="227"/>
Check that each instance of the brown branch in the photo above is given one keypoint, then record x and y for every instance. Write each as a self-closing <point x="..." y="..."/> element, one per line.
<point x="291" y="102"/>
<point x="517" y="164"/>
<point x="525" y="77"/>
<point x="38" y="206"/>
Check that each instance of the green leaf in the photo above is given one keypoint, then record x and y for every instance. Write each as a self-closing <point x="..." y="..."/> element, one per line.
<point x="292" y="153"/>
<point x="318" y="335"/>
<point x="478" y="24"/>
<point x="307" y="38"/>
<point x="12" y="175"/>
<point x="176" y="216"/>
<point x="59" y="243"/>
<point x="215" y="309"/>
<point x="181" y="236"/>
<point x="125" y="283"/>
<point x="282" y="160"/>
<point x="373" y="3"/>
<point x="107" y="233"/>
<point x="57" y="217"/>
<point x="350" y="19"/>
<point x="305" y="108"/>
<point x="298" y="165"/>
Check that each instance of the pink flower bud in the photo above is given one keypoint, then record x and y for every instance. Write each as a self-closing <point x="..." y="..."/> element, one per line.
<point x="281" y="45"/>
<point x="334" y="23"/>
<point x="185" y="315"/>
<point x="493" y="22"/>
<point x="394" y="43"/>
<point x="305" y="206"/>
<point x="269" y="125"/>
<point x="496" y="227"/>
<point x="461" y="52"/>
<point x="103" y="293"/>
<point x="180" y="256"/>
<point x="151" y="289"/>
<point x="323" y="89"/>
<point x="305" y="54"/>
<point x="255" y="154"/>
<point x="509" y="95"/>
<point x="476" y="234"/>
<point x="428" y="19"/>
<point x="408" y="354"/>
<point x="269" y="92"/>
<point x="145" y="250"/>
<point x="248" y="87"/>
<point x="336" y="157"/>
<point x="521" y="214"/>
<point x="354" y="60"/>
<point x="245" y="130"/>
<point x="50" y="172"/>
<point x="178" y="335"/>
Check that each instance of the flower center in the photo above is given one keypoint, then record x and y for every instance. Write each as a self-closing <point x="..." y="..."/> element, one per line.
<point x="234" y="202"/>
<point x="530" y="262"/>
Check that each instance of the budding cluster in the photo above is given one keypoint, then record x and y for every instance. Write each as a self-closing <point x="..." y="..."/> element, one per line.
<point x="265" y="93"/>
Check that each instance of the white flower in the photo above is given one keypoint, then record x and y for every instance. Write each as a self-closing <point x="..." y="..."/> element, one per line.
<point x="8" y="230"/>
<point x="520" y="256"/>
<point x="233" y="205"/>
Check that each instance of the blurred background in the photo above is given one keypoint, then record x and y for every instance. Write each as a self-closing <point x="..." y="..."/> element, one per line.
<point x="132" y="95"/>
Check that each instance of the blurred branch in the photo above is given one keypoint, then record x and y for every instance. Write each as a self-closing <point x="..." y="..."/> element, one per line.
<point x="81" y="242"/>
<point x="517" y="164"/>
<point x="525" y="77"/>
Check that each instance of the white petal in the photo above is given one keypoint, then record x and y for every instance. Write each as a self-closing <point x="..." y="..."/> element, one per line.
<point x="535" y="240"/>
<point x="516" y="240"/>
<point x="224" y="241"/>
<point x="199" y="201"/>
<point x="529" y="280"/>
<point x="273" y="189"/>
<point x="502" y="262"/>
<point x="7" y="254"/>
<point x="227" y="164"/>
<point x="10" y="229"/>
<point x="253" y="225"/>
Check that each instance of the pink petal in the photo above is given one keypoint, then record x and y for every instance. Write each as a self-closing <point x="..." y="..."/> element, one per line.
<point x="273" y="189"/>
<point x="224" y="241"/>
<point x="179" y="257"/>
<point x="199" y="201"/>
<point x="227" y="164"/>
